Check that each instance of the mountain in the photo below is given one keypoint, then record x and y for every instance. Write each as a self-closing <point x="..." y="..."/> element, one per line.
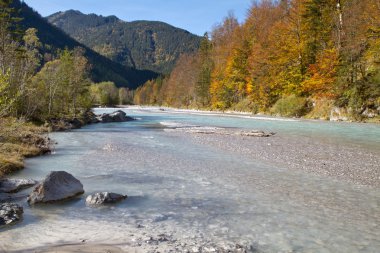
<point x="149" y="45"/>
<point x="103" y="69"/>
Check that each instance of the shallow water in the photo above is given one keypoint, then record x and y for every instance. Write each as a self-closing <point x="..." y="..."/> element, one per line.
<point x="198" y="194"/>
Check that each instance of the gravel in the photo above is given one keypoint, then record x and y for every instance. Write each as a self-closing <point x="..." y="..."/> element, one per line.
<point x="351" y="163"/>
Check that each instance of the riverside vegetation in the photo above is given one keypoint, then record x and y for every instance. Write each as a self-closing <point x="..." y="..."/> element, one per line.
<point x="37" y="94"/>
<point x="313" y="58"/>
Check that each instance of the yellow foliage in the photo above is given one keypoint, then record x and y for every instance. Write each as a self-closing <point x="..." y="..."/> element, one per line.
<point x="322" y="75"/>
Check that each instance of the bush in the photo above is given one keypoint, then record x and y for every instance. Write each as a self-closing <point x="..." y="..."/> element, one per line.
<point x="321" y="109"/>
<point x="245" y="105"/>
<point x="291" y="106"/>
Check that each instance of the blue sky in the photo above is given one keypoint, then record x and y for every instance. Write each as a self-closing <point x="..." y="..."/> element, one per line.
<point x="196" y="16"/>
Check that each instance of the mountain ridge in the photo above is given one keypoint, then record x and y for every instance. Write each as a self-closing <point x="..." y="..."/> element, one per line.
<point x="142" y="44"/>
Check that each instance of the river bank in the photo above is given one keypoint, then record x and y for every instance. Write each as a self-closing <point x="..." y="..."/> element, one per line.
<point x="191" y="190"/>
<point x="334" y="117"/>
<point x="20" y="140"/>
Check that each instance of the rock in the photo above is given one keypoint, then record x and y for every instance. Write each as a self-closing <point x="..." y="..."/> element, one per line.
<point x="370" y="113"/>
<point x="101" y="198"/>
<point x="255" y="133"/>
<point x="117" y="116"/>
<point x="10" y="213"/>
<point x="75" y="123"/>
<point x="15" y="185"/>
<point x="58" y="185"/>
<point x="59" y="125"/>
<point x="339" y="114"/>
<point x="89" y="117"/>
<point x="223" y="131"/>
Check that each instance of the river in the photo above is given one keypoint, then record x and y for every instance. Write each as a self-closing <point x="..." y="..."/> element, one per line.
<point x="193" y="195"/>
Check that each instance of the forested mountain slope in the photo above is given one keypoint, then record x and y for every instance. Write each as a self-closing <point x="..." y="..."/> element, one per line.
<point x="102" y="69"/>
<point x="149" y="45"/>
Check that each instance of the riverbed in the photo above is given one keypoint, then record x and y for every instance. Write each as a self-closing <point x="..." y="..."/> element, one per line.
<point x="312" y="187"/>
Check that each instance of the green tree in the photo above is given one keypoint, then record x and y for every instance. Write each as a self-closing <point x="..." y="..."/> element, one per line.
<point x="11" y="58"/>
<point x="206" y="67"/>
<point x="6" y="100"/>
<point x="105" y="93"/>
<point x="61" y="87"/>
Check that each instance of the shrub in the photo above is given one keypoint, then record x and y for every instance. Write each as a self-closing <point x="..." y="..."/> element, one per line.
<point x="291" y="106"/>
<point x="245" y="105"/>
<point x="321" y="109"/>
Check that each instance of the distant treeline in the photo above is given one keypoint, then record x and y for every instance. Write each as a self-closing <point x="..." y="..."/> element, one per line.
<point x="290" y="57"/>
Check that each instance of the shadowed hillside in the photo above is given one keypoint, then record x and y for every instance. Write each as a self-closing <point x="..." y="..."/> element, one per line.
<point x="148" y="45"/>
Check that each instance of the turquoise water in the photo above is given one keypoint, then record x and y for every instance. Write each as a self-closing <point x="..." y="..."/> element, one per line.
<point x="200" y="194"/>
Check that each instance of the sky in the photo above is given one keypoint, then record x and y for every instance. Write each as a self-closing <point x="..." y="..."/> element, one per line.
<point x="196" y="16"/>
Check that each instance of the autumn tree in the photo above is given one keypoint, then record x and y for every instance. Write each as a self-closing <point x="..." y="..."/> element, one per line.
<point x="287" y="53"/>
<point x="222" y="39"/>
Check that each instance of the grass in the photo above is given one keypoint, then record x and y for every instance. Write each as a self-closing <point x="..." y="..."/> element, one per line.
<point x="18" y="140"/>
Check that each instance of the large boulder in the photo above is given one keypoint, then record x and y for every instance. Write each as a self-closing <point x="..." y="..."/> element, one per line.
<point x="58" y="185"/>
<point x="101" y="198"/>
<point x="10" y="213"/>
<point x="15" y="185"/>
<point x="117" y="116"/>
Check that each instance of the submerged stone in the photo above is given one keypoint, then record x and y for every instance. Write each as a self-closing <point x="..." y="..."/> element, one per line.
<point x="10" y="213"/>
<point x="15" y="185"/>
<point x="101" y="198"/>
<point x="58" y="185"/>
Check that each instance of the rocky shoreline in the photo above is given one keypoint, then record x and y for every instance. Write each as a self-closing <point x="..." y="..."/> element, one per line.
<point x="87" y="118"/>
<point x="57" y="186"/>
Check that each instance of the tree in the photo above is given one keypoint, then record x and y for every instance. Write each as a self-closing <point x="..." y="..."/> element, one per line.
<point x="206" y="67"/>
<point x="222" y="48"/>
<point x="31" y="62"/>
<point x="125" y="96"/>
<point x="6" y="101"/>
<point x="291" y="51"/>
<point x="62" y="87"/>
<point x="105" y="93"/>
<point x="11" y="58"/>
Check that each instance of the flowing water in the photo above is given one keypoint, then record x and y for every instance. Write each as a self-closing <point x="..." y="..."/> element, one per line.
<point x="199" y="195"/>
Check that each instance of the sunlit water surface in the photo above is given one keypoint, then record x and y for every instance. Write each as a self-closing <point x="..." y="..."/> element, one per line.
<point x="194" y="193"/>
